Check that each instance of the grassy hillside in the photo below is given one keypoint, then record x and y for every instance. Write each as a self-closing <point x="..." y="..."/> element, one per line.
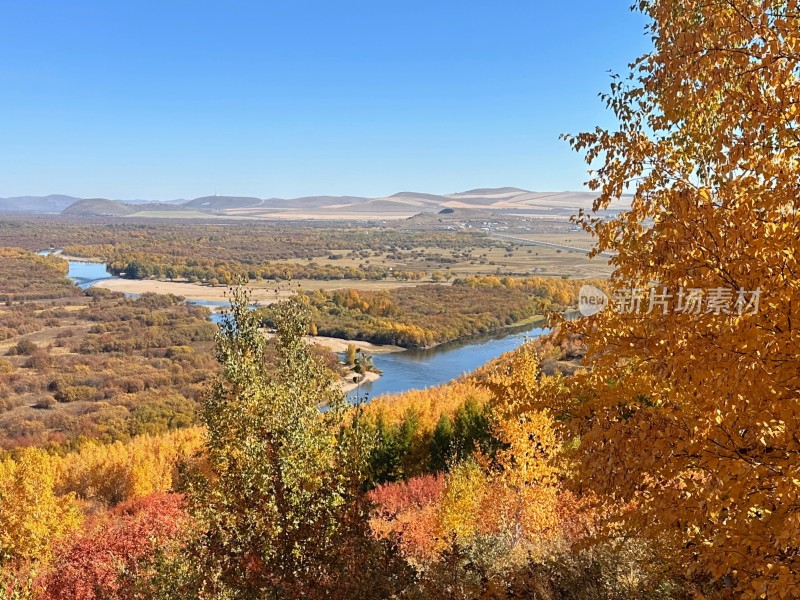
<point x="99" y="207"/>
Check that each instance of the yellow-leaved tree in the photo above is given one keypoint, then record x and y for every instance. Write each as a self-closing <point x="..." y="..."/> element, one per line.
<point x="529" y="459"/>
<point x="32" y="516"/>
<point x="113" y="473"/>
<point x="689" y="417"/>
<point x="513" y="497"/>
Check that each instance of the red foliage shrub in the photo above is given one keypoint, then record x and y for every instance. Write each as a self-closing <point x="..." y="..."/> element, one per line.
<point x="407" y="511"/>
<point x="575" y="517"/>
<point x="90" y="566"/>
<point x="392" y="499"/>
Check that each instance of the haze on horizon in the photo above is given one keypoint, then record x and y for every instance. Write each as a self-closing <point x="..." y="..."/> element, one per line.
<point x="189" y="99"/>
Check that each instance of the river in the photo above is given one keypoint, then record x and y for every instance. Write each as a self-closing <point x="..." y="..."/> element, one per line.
<point x="402" y="371"/>
<point x="418" y="369"/>
<point x="85" y="274"/>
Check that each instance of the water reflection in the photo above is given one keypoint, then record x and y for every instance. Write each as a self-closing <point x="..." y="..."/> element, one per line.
<point x="86" y="274"/>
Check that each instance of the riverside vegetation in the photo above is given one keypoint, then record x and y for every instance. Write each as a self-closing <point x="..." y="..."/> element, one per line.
<point x="78" y="366"/>
<point x="262" y="253"/>
<point x="424" y="316"/>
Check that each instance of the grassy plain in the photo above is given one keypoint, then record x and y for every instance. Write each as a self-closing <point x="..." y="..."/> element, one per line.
<point x="438" y="266"/>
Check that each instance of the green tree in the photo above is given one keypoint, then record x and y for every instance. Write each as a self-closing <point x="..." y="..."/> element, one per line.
<point x="279" y="505"/>
<point x="472" y="429"/>
<point x="441" y="443"/>
<point x="469" y="429"/>
<point x="392" y="458"/>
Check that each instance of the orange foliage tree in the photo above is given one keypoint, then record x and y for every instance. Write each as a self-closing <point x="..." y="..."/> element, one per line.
<point x="688" y="419"/>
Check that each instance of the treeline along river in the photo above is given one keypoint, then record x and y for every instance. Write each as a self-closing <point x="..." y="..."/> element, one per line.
<point x="406" y="370"/>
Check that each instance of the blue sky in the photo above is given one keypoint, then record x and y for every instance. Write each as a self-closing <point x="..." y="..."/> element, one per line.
<point x="177" y="99"/>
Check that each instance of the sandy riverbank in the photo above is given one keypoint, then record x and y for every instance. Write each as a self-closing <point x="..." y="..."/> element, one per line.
<point x="191" y="291"/>
<point x="339" y="345"/>
<point x="264" y="292"/>
<point x="77" y="258"/>
<point x="348" y="385"/>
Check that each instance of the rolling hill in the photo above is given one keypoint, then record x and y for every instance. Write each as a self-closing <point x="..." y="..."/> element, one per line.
<point x="99" y="207"/>
<point x="402" y="205"/>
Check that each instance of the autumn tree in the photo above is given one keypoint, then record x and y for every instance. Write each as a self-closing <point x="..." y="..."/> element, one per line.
<point x="351" y="354"/>
<point x="32" y="516"/>
<point x="113" y="473"/>
<point x="409" y="509"/>
<point x="688" y="419"/>
<point x="279" y="503"/>
<point x="528" y="466"/>
<point x="497" y="512"/>
<point x="111" y="554"/>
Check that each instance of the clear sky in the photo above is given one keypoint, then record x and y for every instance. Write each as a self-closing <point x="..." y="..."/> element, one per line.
<point x="172" y="99"/>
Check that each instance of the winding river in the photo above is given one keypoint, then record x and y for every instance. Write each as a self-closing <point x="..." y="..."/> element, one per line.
<point x="418" y="369"/>
<point x="407" y="370"/>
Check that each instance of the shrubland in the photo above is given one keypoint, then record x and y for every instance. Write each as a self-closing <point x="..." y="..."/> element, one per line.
<point x="31" y="277"/>
<point x="225" y="254"/>
<point x="96" y="365"/>
<point x="103" y="367"/>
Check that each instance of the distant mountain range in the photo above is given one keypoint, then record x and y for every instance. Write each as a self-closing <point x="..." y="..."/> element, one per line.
<point x="401" y="205"/>
<point x="57" y="203"/>
<point x="36" y="204"/>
